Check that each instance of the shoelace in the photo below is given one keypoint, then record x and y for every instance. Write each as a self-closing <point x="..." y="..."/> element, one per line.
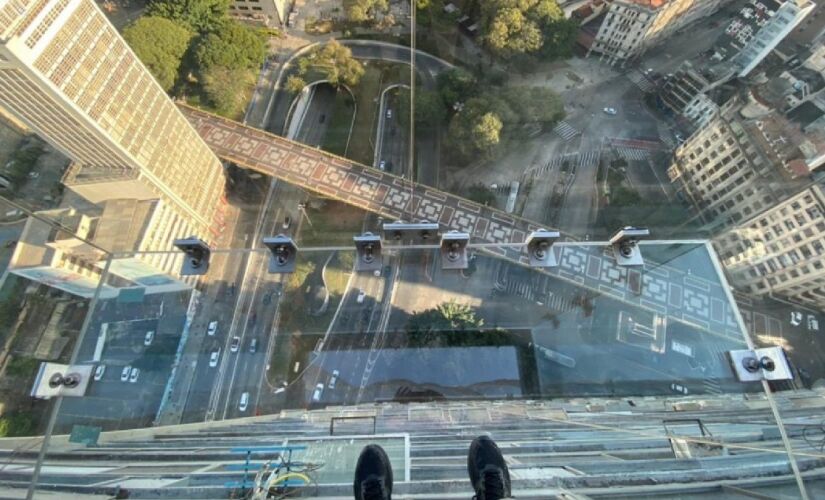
<point x="493" y="484"/>
<point x="373" y="488"/>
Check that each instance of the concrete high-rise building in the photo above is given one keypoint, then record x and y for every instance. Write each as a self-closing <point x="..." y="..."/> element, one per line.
<point x="68" y="75"/>
<point x="735" y="167"/>
<point x="780" y="250"/>
<point x="267" y="12"/>
<point x="633" y="26"/>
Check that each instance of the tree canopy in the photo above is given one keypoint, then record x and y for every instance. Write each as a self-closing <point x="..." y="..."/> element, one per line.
<point x="234" y="46"/>
<point x="514" y="27"/>
<point x="221" y="86"/>
<point x="198" y="15"/>
<point x="456" y="86"/>
<point x="334" y="63"/>
<point x="429" y="107"/>
<point x="160" y="44"/>
<point x="446" y="317"/>
<point x="364" y="10"/>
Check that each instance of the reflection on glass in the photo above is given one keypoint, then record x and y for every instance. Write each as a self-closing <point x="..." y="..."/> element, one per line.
<point x="129" y="125"/>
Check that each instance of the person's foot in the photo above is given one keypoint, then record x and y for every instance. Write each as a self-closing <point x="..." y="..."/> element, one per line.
<point x="373" y="475"/>
<point x="488" y="470"/>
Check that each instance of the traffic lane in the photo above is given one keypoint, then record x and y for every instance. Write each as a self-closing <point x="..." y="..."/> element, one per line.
<point x="354" y="316"/>
<point x="316" y="119"/>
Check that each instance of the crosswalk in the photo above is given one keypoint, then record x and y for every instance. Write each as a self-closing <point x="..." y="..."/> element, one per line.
<point x="666" y="137"/>
<point x="570" y="161"/>
<point x="641" y="81"/>
<point x="544" y="297"/>
<point x="565" y="130"/>
<point x="632" y="154"/>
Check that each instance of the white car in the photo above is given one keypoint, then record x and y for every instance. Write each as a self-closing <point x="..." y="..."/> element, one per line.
<point x="382" y="165"/>
<point x="813" y="323"/>
<point x="333" y="379"/>
<point x="213" y="358"/>
<point x="361" y="294"/>
<point x="796" y="318"/>
<point x="124" y="375"/>
<point x="319" y="389"/>
<point x="150" y="336"/>
<point x="99" y="371"/>
<point x="236" y="344"/>
<point x="133" y="376"/>
<point x="212" y="329"/>
<point x="679" y="388"/>
<point x="389" y="113"/>
<point x="610" y="111"/>
<point x="244" y="401"/>
<point x="377" y="273"/>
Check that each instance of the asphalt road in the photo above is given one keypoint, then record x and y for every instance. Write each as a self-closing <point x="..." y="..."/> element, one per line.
<point x="317" y="117"/>
<point x="394" y="138"/>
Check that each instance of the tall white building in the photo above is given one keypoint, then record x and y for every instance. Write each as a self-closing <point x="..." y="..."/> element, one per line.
<point x="780" y="251"/>
<point x="633" y="26"/>
<point x="68" y="75"/>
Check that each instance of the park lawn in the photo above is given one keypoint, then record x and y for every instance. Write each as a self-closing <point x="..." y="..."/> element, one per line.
<point x="334" y="224"/>
<point x="337" y="136"/>
<point x="362" y="147"/>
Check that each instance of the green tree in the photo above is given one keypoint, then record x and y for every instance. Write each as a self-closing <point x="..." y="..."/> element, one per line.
<point x="533" y="104"/>
<point x="17" y="424"/>
<point x="224" y="89"/>
<point x="160" y="44"/>
<point x="446" y="317"/>
<point x="360" y="11"/>
<point x="198" y="15"/>
<point x="294" y="84"/>
<point x="334" y="63"/>
<point x="22" y="367"/>
<point x="234" y="46"/>
<point x="487" y="131"/>
<point x="480" y="193"/>
<point x="456" y="86"/>
<point x="477" y="130"/>
<point x="429" y="107"/>
<point x="514" y="27"/>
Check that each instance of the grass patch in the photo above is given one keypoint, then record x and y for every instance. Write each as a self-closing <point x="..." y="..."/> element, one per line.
<point x="338" y="131"/>
<point x="334" y="223"/>
<point x="361" y="147"/>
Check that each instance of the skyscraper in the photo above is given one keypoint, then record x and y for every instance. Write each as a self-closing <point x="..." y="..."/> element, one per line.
<point x="67" y="74"/>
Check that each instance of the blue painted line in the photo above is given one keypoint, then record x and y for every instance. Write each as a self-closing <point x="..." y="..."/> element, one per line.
<point x="250" y="484"/>
<point x="266" y="448"/>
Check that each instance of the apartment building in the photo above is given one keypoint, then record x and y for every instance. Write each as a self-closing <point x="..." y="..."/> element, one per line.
<point x="779" y="251"/>
<point x="267" y="12"/>
<point x="633" y="26"/>
<point x="735" y="167"/>
<point x="69" y="76"/>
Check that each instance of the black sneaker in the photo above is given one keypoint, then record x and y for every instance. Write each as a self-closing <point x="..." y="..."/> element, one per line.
<point x="373" y="475"/>
<point x="488" y="470"/>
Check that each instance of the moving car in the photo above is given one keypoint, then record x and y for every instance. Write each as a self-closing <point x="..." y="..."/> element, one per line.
<point x="679" y="388"/>
<point x="253" y="345"/>
<point x="389" y="113"/>
<point x="361" y="294"/>
<point x="213" y="358"/>
<point x="796" y="318"/>
<point x="99" y="371"/>
<point x="376" y="273"/>
<point x="133" y="375"/>
<point x="124" y="374"/>
<point x="813" y="323"/>
<point x="679" y="138"/>
<point x="287" y="222"/>
<point x="333" y="379"/>
<point x="322" y="119"/>
<point x="150" y="336"/>
<point x="236" y="343"/>
<point x="244" y="401"/>
<point x="319" y="389"/>
<point x="610" y="111"/>
<point x="212" y="329"/>
<point x="382" y="165"/>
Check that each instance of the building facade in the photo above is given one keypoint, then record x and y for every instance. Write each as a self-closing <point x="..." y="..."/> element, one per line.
<point x="780" y="250"/>
<point x="633" y="26"/>
<point x="267" y="12"/>
<point x="69" y="76"/>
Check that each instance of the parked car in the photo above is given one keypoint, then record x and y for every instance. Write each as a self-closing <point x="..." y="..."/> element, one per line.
<point x="236" y="344"/>
<point x="99" y="371"/>
<point x="124" y="374"/>
<point x="382" y="165"/>
<point x="813" y="323"/>
<point x="134" y="374"/>
<point x="212" y="328"/>
<point x="244" y="401"/>
<point x="253" y="345"/>
<point x="213" y="358"/>
<point x="610" y="111"/>
<point x="796" y="318"/>
<point x="150" y="336"/>
<point x="333" y="379"/>
<point x="361" y="294"/>
<point x="319" y="389"/>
